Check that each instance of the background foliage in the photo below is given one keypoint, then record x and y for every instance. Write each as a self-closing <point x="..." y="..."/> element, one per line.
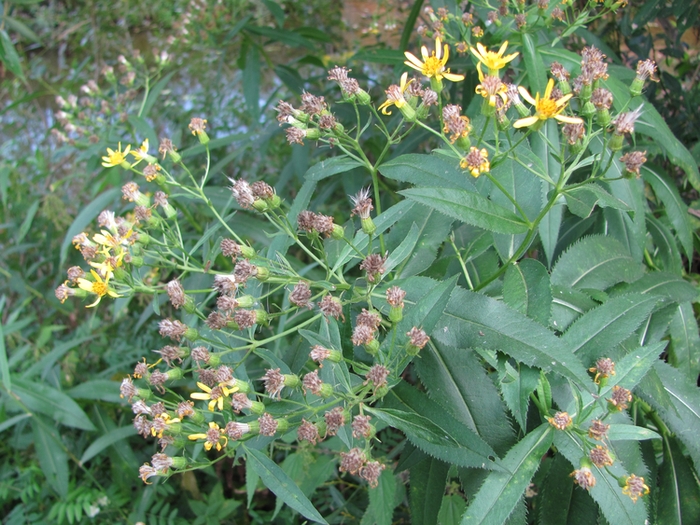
<point x="69" y="451"/>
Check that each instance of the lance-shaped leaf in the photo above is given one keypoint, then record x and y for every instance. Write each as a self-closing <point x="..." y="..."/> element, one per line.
<point x="617" y="507"/>
<point x="282" y="485"/>
<point x="469" y="207"/>
<point x="457" y="445"/>
<point x="502" y="491"/>
<point x="685" y="342"/>
<point x="472" y="320"/>
<point x="595" y="262"/>
<point x="57" y="405"/>
<point x="526" y="288"/>
<point x="425" y="496"/>
<point x="683" y="417"/>
<point x="664" y="284"/>
<point x="679" y="494"/>
<point x="560" y="499"/>
<point x="597" y="331"/>
<point x="550" y="224"/>
<point x="457" y="381"/>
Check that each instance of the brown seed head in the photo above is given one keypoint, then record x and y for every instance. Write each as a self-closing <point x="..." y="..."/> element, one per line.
<point x="300" y="295"/>
<point x="331" y="306"/>
<point x="176" y="294"/>
<point x="374" y="266"/>
<point x="371" y="472"/>
<point x="313" y="383"/>
<point x="361" y="427"/>
<point x="334" y="420"/>
<point x="633" y="161"/>
<point x="560" y="421"/>
<point x="352" y="460"/>
<point x="600" y="456"/>
<point x="307" y="431"/>
<point x="274" y="382"/>
<point x="584" y="478"/>
<point x="173" y="329"/>
<point x="268" y="425"/>
<point x="620" y="397"/>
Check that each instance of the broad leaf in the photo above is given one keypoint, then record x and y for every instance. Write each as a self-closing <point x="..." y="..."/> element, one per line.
<point x="57" y="405"/>
<point x="562" y="503"/>
<point x="430" y="171"/>
<point x="475" y="321"/>
<point x="684" y="353"/>
<point x="105" y="441"/>
<point x="526" y="288"/>
<point x="549" y="227"/>
<point x="516" y="386"/>
<point x="425" y="496"/>
<point x="329" y="167"/>
<point x="679" y="495"/>
<point x="52" y="454"/>
<point x="663" y="284"/>
<point x="597" y="331"/>
<point x="381" y="499"/>
<point x="471" y="208"/>
<point x="595" y="262"/>
<point x="502" y="491"/>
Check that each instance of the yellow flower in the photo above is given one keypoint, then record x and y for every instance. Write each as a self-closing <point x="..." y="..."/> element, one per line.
<point x="213" y="437"/>
<point x="491" y="87"/>
<point x="433" y="65"/>
<point x="98" y="287"/>
<point x="394" y="95"/>
<point x="215" y="395"/>
<point x="142" y="153"/>
<point x="635" y="487"/>
<point x="476" y="161"/>
<point x="546" y="107"/>
<point x="492" y="60"/>
<point x="115" y="158"/>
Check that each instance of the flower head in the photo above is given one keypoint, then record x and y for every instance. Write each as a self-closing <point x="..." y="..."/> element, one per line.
<point x="140" y="153"/>
<point x="546" y="107"/>
<point x="493" y="60"/>
<point x="97" y="287"/>
<point x="476" y="161"/>
<point x="115" y="158"/>
<point x="214" y="437"/>
<point x="490" y="88"/>
<point x="215" y="395"/>
<point x="584" y="478"/>
<point x="433" y="64"/>
<point x="394" y="95"/>
<point x="635" y="488"/>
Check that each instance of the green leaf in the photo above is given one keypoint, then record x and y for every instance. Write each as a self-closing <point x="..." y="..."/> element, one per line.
<point x="561" y="503"/>
<point x="516" y="386"/>
<point x="85" y="217"/>
<point x="4" y="365"/>
<point x="381" y="498"/>
<point x="425" y="496"/>
<point x="49" y="401"/>
<point x="618" y="432"/>
<point x="652" y="124"/>
<point x="683" y="417"/>
<point x="102" y="389"/>
<point x="675" y="208"/>
<point x="9" y="423"/>
<point x="502" y="491"/>
<point x="616" y="507"/>
<point x="452" y="509"/>
<point x="9" y="56"/>
<point x="597" y="331"/>
<point x="526" y="289"/>
<point x="465" y="448"/>
<point x="679" y="495"/>
<point x="277" y="34"/>
<point x="580" y="201"/>
<point x="282" y="485"/>
<point x="403" y="250"/>
<point x="684" y="353"/>
<point x="105" y="441"/>
<point x="668" y="256"/>
<point x="595" y="262"/>
<point x="550" y="224"/>
<point x="21" y="28"/>
<point x="27" y="222"/>
<point x="475" y="321"/>
<point x="52" y="455"/>
<point x="430" y="171"/>
<point x="468" y="207"/>
<point x="534" y="65"/>
<point x="524" y="187"/>
<point x="153" y="95"/>
<point x="459" y="385"/>
<point x="663" y="284"/>
<point x="567" y="305"/>
<point x="251" y="82"/>
<point x="632" y="368"/>
<point x="143" y="129"/>
<point x="330" y="167"/>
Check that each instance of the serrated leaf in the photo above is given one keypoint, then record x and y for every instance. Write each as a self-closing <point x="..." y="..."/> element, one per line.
<point x="457" y="382"/>
<point x="550" y="224"/>
<point x="471" y="208"/>
<point x="580" y="201"/>
<point x="403" y="250"/>
<point x="616" y="507"/>
<point x="675" y="208"/>
<point x="668" y="256"/>
<point x="516" y="387"/>
<point x="595" y="262"/>
<point x="596" y="331"/>
<point x="663" y="284"/>
<point x="567" y="305"/>
<point x="630" y="370"/>
<point x="9" y="56"/>
<point x="560" y="502"/>
<point x="684" y="352"/>
<point x="523" y="186"/>
<point x="502" y="491"/>
<point x="57" y="405"/>
<point x="526" y="288"/>
<point x="52" y="455"/>
<point x="427" y="171"/>
<point x="475" y="321"/>
<point x="282" y="485"/>
<point x="381" y="498"/>
<point x="452" y="509"/>
<point x="465" y="449"/>
<point x="683" y="417"/>
<point x="251" y="82"/>
<point x="679" y="494"/>
<point x="536" y="71"/>
<point x="425" y="496"/>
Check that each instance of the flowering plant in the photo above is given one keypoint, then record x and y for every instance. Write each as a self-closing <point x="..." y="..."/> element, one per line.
<point x="501" y="300"/>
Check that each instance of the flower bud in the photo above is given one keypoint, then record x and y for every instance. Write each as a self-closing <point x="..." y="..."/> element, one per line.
<point x="313" y="134"/>
<point x="326" y="390"/>
<point x="588" y="109"/>
<point x="257" y="408"/>
<point x="372" y="348"/>
<point x="616" y="142"/>
<point x="203" y="137"/>
<point x="136" y="261"/>
<point x="603" y="117"/>
<point x="409" y="114"/>
<point x="338" y="232"/>
<point x="191" y="334"/>
<point x="368" y="226"/>
<point x="263" y="274"/>
<point x="464" y="143"/>
<point x="261" y="205"/>
<point x="282" y="425"/>
<point x="291" y="380"/>
<point x="174" y="373"/>
<point x="363" y="98"/>
<point x="261" y="317"/>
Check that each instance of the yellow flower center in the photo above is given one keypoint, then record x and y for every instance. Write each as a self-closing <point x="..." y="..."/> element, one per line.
<point x="546" y="108"/>
<point x="432" y="66"/>
<point x="99" y="288"/>
<point x="116" y="157"/>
